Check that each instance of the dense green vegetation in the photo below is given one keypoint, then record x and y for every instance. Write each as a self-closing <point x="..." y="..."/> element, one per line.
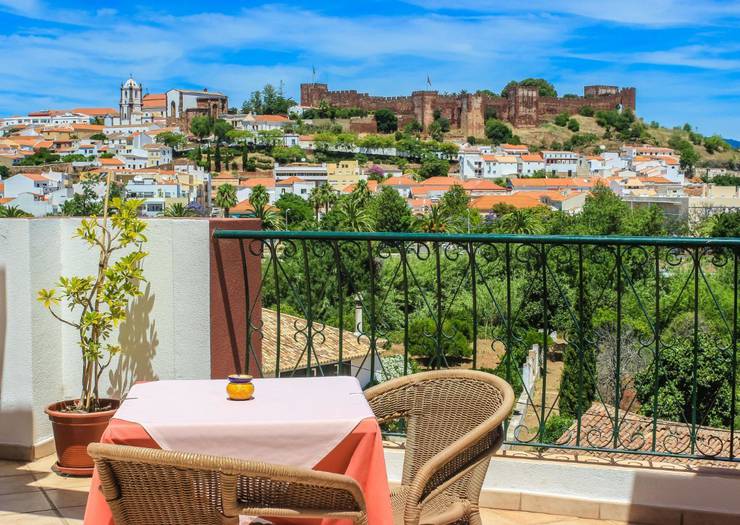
<point x="585" y="315"/>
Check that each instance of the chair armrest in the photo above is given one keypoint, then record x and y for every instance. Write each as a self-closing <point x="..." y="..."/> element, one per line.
<point x="453" y="462"/>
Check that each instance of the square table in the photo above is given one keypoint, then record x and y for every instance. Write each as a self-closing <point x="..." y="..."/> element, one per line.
<point x="322" y="423"/>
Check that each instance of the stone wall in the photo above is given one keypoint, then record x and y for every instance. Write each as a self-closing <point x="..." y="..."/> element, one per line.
<point x="466" y="112"/>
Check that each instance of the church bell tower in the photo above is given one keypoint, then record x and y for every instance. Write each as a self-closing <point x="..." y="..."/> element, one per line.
<point x="131" y="100"/>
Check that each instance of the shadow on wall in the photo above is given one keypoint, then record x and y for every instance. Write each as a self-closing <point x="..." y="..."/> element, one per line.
<point x="3" y="327"/>
<point x="16" y="426"/>
<point x="138" y="340"/>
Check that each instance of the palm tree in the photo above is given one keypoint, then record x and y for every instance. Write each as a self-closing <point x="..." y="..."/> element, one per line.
<point x="320" y="196"/>
<point x="178" y="209"/>
<point x="328" y="196"/>
<point x="226" y="198"/>
<point x="435" y="221"/>
<point x="353" y="216"/>
<point x="522" y="222"/>
<point x="361" y="192"/>
<point x="259" y="196"/>
<point x="12" y="212"/>
<point x="314" y="199"/>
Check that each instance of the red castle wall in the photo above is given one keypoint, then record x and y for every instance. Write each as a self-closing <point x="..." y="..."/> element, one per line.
<point x="523" y="106"/>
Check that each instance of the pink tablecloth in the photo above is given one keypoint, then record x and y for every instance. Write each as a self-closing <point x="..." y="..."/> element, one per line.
<point x="331" y="432"/>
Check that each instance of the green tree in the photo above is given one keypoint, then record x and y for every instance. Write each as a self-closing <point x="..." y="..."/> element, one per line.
<point x="676" y="373"/>
<point x="295" y="209"/>
<point x="4" y="172"/>
<point x="434" y="167"/>
<point x="269" y="101"/>
<point x="435" y="130"/>
<point x="497" y="131"/>
<point x="455" y="201"/>
<point x="220" y="130"/>
<point x="578" y="382"/>
<point x="259" y="198"/>
<point x="386" y="121"/>
<point x="179" y="210"/>
<point x="353" y="215"/>
<point x="284" y="154"/>
<point x="226" y="198"/>
<point x="413" y="127"/>
<point x="423" y="340"/>
<point x="562" y="119"/>
<point x="716" y="143"/>
<point x="12" y="212"/>
<point x="42" y="156"/>
<point x="99" y="136"/>
<point x="201" y="127"/>
<point x="435" y="221"/>
<point x="603" y="213"/>
<point x="521" y="221"/>
<point x="545" y="88"/>
<point x="171" y="139"/>
<point x="391" y="211"/>
<point x="96" y="304"/>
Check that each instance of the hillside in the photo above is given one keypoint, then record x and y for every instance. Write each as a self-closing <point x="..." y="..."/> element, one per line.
<point x="548" y="133"/>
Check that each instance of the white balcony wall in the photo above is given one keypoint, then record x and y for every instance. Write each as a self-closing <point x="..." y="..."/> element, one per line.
<point x="167" y="334"/>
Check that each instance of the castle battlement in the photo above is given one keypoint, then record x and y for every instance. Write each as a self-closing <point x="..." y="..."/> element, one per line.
<point x="523" y="105"/>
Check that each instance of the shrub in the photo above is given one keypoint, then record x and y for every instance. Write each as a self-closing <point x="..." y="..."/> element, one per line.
<point x="562" y="120"/>
<point x="586" y="111"/>
<point x="573" y="125"/>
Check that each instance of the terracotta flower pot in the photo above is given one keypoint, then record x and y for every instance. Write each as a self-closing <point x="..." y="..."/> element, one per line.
<point x="73" y="432"/>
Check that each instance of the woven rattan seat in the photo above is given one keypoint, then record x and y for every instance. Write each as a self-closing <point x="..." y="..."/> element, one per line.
<point x="453" y="425"/>
<point x="145" y="486"/>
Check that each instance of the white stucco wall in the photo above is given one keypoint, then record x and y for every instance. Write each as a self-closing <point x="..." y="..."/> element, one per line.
<point x="167" y="335"/>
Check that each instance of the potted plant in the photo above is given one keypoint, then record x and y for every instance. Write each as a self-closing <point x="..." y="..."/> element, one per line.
<point x="96" y="305"/>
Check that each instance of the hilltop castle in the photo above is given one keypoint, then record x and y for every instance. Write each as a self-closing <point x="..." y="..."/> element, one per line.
<point x="522" y="107"/>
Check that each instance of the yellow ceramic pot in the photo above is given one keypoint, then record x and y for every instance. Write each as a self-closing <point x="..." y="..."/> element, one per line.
<point x="240" y="387"/>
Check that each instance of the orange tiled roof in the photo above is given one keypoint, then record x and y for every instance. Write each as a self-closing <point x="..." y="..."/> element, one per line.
<point x="372" y="185"/>
<point x="35" y="177"/>
<point x="267" y="182"/>
<point x="441" y="181"/>
<point x="553" y="182"/>
<point x="95" y="112"/>
<point x="399" y="181"/>
<point x="533" y="157"/>
<point x="111" y="162"/>
<point x="6" y="200"/>
<point x="670" y="437"/>
<point x="88" y="127"/>
<point x="511" y="159"/>
<point x="515" y="146"/>
<point x="518" y="200"/>
<point x="155" y="100"/>
<point x="271" y="118"/>
<point x="290" y="180"/>
<point x="481" y="185"/>
<point x="655" y="180"/>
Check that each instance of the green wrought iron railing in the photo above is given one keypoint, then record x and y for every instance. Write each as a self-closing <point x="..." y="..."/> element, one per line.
<point x="614" y="345"/>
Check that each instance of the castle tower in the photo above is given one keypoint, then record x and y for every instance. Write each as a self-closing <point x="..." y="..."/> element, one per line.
<point x="523" y="106"/>
<point x="131" y="100"/>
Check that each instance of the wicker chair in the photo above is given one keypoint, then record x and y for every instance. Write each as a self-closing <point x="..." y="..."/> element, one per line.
<point x="145" y="486"/>
<point x="454" y="424"/>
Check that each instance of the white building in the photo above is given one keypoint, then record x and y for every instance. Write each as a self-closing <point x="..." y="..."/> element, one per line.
<point x="561" y="162"/>
<point x="500" y="166"/>
<point x="529" y="164"/>
<point x="317" y="174"/>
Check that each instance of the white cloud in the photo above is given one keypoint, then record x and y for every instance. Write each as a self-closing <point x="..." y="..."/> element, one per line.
<point x="657" y="13"/>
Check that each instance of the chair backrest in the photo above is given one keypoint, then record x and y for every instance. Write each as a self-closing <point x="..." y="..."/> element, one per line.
<point x="158" y="487"/>
<point x="440" y="407"/>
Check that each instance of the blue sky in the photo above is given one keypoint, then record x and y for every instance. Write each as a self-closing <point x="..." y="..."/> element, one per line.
<point x="683" y="56"/>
